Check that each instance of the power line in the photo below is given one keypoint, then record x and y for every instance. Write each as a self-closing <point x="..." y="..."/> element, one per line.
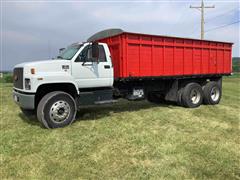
<point x="201" y="8"/>
<point x="223" y="26"/>
<point x="228" y="12"/>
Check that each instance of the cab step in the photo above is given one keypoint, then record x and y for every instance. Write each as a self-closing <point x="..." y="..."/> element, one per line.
<point x="105" y="102"/>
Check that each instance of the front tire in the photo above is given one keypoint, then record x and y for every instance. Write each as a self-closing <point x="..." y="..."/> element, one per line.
<point x="56" y="109"/>
<point x="192" y="95"/>
<point x="212" y="93"/>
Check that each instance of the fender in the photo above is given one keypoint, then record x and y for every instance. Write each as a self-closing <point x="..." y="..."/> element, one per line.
<point x="52" y="78"/>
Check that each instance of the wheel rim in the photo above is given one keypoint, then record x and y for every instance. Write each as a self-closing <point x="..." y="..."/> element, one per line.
<point x="59" y="111"/>
<point x="215" y="94"/>
<point x="195" y="96"/>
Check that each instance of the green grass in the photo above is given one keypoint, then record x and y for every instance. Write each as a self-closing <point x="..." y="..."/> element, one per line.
<point x="128" y="140"/>
<point x="6" y="78"/>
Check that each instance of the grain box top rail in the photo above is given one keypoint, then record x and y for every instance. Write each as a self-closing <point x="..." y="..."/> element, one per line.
<point x="115" y="32"/>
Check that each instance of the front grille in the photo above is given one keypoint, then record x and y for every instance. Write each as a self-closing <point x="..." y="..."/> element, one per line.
<point x="18" y="78"/>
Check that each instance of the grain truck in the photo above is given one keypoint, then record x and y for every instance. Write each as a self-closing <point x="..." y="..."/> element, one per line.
<point x="116" y="64"/>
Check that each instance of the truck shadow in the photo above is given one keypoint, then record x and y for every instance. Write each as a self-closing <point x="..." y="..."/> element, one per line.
<point x="94" y="113"/>
<point x="98" y="112"/>
<point x="30" y="119"/>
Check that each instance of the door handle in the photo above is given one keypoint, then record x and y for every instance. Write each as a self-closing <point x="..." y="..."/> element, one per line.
<point x="106" y="66"/>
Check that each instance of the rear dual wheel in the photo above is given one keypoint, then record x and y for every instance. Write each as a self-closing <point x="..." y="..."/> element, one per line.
<point x="212" y="93"/>
<point x="191" y="95"/>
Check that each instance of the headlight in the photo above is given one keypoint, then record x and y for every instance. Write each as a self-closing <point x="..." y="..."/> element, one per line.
<point x="27" y="84"/>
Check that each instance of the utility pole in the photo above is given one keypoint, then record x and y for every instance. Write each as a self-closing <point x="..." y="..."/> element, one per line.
<point x="201" y="8"/>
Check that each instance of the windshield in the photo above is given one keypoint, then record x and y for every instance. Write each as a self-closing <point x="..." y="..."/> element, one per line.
<point x="69" y="52"/>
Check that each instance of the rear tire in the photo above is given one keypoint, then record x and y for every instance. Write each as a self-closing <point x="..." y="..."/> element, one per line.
<point x="56" y="109"/>
<point x="192" y="95"/>
<point x="179" y="97"/>
<point x="212" y="93"/>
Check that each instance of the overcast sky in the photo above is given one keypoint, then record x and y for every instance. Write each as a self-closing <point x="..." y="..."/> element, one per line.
<point x="36" y="30"/>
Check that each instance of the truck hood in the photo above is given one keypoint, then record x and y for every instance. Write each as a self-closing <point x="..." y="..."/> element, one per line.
<point x="58" y="65"/>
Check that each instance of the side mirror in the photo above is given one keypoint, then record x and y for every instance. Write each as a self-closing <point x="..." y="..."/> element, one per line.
<point x="95" y="51"/>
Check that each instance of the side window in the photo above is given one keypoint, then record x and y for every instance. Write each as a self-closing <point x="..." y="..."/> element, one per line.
<point x="86" y="54"/>
<point x="102" y="55"/>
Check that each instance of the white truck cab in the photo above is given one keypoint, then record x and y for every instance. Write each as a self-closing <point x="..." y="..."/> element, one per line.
<point x="79" y="67"/>
<point x="74" y="65"/>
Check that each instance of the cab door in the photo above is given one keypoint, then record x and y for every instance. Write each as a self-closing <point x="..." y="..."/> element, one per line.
<point x="90" y="73"/>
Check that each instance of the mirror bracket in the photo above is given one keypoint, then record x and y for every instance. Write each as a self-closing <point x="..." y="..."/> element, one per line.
<point x="95" y="51"/>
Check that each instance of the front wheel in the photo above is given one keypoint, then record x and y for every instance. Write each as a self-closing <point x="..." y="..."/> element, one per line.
<point x="56" y="109"/>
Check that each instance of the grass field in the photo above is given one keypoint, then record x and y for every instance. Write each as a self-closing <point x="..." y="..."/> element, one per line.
<point x="128" y="140"/>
